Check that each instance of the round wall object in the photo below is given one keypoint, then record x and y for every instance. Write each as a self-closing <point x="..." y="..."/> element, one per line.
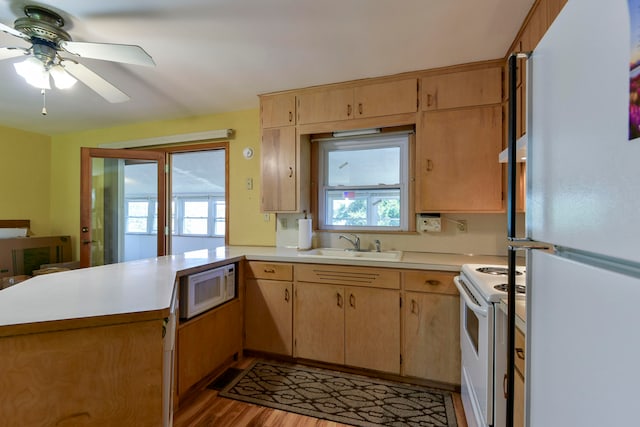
<point x="247" y="153"/>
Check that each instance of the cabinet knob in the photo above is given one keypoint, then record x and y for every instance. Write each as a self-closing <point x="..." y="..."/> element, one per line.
<point x="352" y="301"/>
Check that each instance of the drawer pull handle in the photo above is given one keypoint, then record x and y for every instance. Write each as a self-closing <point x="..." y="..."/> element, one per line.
<point x="269" y="270"/>
<point x="286" y="295"/>
<point x="290" y="172"/>
<point x="348" y="110"/>
<point x="432" y="282"/>
<point x="352" y="300"/>
<point x="520" y="353"/>
<point x="290" y="116"/>
<point x="504" y="386"/>
<point x="429" y="165"/>
<point x="360" y="108"/>
<point x="429" y="97"/>
<point x="414" y="307"/>
<point x="339" y="298"/>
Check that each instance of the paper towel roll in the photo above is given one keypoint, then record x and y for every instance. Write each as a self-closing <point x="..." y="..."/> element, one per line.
<point x="304" y="234"/>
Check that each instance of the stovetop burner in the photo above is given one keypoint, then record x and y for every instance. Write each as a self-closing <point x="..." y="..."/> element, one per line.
<point x="520" y="289"/>
<point x="496" y="271"/>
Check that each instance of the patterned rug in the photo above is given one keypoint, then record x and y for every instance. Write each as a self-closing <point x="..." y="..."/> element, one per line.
<point x="345" y="398"/>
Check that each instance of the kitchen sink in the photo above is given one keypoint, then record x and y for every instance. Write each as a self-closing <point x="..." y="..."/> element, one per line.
<point x="336" y="253"/>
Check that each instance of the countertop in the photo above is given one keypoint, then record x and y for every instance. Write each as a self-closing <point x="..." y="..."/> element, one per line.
<point x="143" y="289"/>
<point x="521" y="313"/>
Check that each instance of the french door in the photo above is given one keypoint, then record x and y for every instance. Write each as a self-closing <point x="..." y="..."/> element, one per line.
<point x="107" y="218"/>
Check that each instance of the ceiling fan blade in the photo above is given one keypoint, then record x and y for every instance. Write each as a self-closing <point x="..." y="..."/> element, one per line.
<point x="95" y="82"/>
<point x="7" y="29"/>
<point x="125" y="53"/>
<point x="12" y="52"/>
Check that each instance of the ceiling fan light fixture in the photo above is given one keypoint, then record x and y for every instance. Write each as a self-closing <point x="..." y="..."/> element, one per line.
<point x="34" y="72"/>
<point x="61" y="78"/>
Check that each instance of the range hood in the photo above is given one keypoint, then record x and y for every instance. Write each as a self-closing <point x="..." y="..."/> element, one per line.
<point x="521" y="151"/>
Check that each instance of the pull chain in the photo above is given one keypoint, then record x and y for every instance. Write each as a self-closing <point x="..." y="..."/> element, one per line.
<point x="44" y="103"/>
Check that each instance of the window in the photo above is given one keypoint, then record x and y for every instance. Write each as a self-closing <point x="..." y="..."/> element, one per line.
<point x="137" y="212"/>
<point x="364" y="183"/>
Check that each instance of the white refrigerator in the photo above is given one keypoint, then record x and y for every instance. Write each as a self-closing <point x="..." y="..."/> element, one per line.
<point x="583" y="198"/>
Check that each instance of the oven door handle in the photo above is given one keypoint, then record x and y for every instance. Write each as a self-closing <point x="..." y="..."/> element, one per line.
<point x="482" y="311"/>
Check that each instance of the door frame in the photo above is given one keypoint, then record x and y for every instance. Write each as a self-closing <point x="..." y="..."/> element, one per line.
<point x="86" y="156"/>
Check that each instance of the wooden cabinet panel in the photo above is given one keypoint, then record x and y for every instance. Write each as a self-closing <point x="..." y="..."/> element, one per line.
<point x="431" y="346"/>
<point x="429" y="281"/>
<point x="277" y="110"/>
<point x="462" y="89"/>
<point x="518" y="401"/>
<point x="269" y="270"/>
<point x="206" y="342"/>
<point x="325" y="106"/>
<point x="553" y="9"/>
<point x="347" y="275"/>
<point x="268" y="316"/>
<point x="372" y="322"/>
<point x="388" y="98"/>
<point x="535" y="29"/>
<point x="457" y="164"/>
<point x="279" y="169"/>
<point x="520" y="352"/>
<point x="319" y="322"/>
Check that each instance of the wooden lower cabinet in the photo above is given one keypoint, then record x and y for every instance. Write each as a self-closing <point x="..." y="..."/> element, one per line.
<point x="319" y="322"/>
<point x="372" y="325"/>
<point x="518" y="400"/>
<point x="432" y="337"/>
<point x="206" y="342"/>
<point x="268" y="316"/>
<point x="348" y="325"/>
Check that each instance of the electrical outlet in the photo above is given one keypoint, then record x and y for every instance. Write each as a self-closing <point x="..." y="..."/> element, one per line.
<point x="430" y="224"/>
<point x="461" y="224"/>
<point x="283" y="223"/>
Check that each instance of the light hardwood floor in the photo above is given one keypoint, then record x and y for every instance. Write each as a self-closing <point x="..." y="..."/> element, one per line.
<point x="205" y="408"/>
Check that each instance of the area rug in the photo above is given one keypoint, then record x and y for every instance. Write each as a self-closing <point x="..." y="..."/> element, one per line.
<point x="345" y="398"/>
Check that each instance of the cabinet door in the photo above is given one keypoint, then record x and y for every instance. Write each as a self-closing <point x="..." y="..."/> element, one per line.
<point x="372" y="322"/>
<point x="325" y="106"/>
<point x="431" y="348"/>
<point x="457" y="162"/>
<point x="277" y="110"/>
<point x="268" y="316"/>
<point x="319" y="322"/>
<point x="206" y="342"/>
<point x="384" y="99"/>
<point x="462" y="89"/>
<point x="278" y="154"/>
<point x="518" y="400"/>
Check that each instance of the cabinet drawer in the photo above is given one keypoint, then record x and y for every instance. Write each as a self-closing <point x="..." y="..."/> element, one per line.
<point x="269" y="270"/>
<point x="354" y="276"/>
<point x="429" y="281"/>
<point x="520" y="352"/>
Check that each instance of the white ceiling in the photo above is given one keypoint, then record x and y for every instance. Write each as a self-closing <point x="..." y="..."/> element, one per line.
<point x="215" y="56"/>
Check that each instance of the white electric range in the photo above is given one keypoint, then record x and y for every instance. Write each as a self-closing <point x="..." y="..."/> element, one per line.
<point x="483" y="340"/>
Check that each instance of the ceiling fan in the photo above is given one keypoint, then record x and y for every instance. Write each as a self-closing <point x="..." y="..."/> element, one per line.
<point x="43" y="28"/>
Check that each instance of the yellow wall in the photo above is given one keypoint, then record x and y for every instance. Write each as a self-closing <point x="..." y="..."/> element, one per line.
<point x="25" y="172"/>
<point x="246" y="224"/>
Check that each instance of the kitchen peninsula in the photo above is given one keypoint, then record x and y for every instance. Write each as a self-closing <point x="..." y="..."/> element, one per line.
<point x="90" y="346"/>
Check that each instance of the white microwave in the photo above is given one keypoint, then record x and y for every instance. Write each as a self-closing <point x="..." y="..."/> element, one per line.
<point x="202" y="291"/>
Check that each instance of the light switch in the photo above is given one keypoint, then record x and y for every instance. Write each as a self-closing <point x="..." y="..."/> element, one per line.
<point x="249" y="183"/>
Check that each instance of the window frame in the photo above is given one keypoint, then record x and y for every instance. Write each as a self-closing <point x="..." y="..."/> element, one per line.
<point x="402" y="140"/>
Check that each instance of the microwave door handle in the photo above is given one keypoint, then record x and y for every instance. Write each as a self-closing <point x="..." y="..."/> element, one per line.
<point x="482" y="311"/>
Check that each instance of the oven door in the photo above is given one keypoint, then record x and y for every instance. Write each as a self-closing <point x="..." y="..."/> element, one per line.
<point x="476" y="346"/>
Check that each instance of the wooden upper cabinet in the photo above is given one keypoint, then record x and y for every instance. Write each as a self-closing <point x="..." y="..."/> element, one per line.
<point x="325" y="106"/>
<point x="535" y="29"/>
<point x="279" y="171"/>
<point x="462" y="89"/>
<point x="553" y="9"/>
<point x="368" y="100"/>
<point x="277" y="110"/>
<point x="457" y="166"/>
<point x="383" y="99"/>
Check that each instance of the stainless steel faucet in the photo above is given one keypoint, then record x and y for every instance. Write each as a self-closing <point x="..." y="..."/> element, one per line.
<point x="355" y="241"/>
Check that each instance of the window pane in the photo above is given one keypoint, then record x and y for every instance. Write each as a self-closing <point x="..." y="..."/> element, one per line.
<point x="220" y="210"/>
<point x="137" y="225"/>
<point x="140" y="208"/>
<point x="219" y="228"/>
<point x="373" y="208"/>
<point x="196" y="209"/>
<point x="371" y="166"/>
<point x="195" y="226"/>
